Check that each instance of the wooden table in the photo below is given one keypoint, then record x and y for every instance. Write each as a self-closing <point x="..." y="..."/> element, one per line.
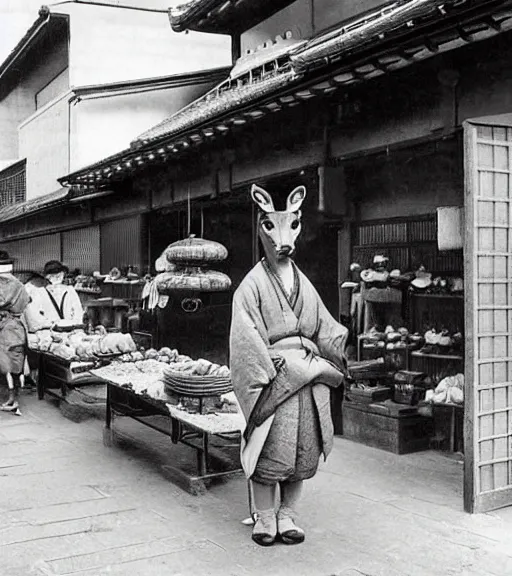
<point x="55" y="377"/>
<point x="193" y="430"/>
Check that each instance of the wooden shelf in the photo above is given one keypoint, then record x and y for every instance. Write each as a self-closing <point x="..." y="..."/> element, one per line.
<point x="437" y="356"/>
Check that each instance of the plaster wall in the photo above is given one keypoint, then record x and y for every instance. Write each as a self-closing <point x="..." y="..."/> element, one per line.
<point x="102" y="126"/>
<point x="44" y="141"/>
<point x="20" y="103"/>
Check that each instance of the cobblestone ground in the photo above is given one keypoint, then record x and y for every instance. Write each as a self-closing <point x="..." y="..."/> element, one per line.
<point x="68" y="505"/>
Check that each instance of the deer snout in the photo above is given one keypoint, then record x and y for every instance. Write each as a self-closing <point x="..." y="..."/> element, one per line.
<point x="285" y="250"/>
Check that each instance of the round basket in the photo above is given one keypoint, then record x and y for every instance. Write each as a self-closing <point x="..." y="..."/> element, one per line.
<point x="196" y="386"/>
<point x="192" y="279"/>
<point x="195" y="251"/>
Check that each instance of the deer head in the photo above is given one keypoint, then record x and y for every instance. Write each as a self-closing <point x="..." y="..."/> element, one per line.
<point x="278" y="230"/>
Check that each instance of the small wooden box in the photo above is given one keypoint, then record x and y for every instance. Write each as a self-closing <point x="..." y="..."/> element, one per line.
<point x="401" y="431"/>
<point x="369" y="395"/>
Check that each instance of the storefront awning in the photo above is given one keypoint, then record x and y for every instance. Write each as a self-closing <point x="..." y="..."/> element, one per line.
<point x="393" y="37"/>
<point x="22" y="209"/>
<point x="223" y="16"/>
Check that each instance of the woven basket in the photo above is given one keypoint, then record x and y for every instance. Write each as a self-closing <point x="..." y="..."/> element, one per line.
<point x="196" y="386"/>
<point x="195" y="251"/>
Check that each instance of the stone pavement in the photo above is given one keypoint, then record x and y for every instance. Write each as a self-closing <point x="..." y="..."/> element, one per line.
<point x="70" y="506"/>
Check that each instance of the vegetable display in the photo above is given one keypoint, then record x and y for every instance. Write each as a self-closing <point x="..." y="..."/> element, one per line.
<point x="78" y="345"/>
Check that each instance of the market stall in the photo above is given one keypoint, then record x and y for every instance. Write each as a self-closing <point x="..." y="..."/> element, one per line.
<point x="408" y="389"/>
<point x="65" y="356"/>
<point x="191" y="400"/>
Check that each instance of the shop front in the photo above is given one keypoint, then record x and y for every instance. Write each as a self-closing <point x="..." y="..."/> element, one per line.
<point x="441" y="319"/>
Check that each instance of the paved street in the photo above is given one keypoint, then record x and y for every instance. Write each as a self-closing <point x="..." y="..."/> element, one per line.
<point x="68" y="505"/>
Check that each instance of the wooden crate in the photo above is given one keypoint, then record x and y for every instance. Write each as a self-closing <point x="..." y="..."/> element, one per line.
<point x="401" y="433"/>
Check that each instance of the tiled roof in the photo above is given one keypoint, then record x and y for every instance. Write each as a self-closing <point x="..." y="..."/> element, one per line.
<point x="48" y="23"/>
<point x="223" y="16"/>
<point x="397" y="35"/>
<point x="239" y="89"/>
<point x="8" y="213"/>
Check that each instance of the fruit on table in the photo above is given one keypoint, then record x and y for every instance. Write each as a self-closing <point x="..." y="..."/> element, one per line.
<point x="151" y="354"/>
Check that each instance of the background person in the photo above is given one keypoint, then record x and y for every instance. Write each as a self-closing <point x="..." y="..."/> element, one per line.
<point x="13" y="336"/>
<point x="55" y="302"/>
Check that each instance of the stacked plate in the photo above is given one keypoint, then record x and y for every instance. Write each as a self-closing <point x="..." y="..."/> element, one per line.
<point x="195" y="386"/>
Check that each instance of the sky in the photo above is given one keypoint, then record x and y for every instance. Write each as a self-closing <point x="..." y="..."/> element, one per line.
<point x="16" y="17"/>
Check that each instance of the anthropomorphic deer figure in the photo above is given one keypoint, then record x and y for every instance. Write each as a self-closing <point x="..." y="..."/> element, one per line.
<point x="286" y="351"/>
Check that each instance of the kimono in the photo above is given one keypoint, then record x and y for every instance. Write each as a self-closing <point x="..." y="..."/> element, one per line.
<point x="13" y="336"/>
<point x="285" y="353"/>
<point x="50" y="306"/>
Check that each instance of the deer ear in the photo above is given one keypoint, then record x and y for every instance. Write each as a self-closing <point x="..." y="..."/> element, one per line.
<point x="262" y="198"/>
<point x="295" y="199"/>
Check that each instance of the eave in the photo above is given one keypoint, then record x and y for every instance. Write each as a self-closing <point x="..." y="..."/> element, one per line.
<point x="151" y="84"/>
<point x="223" y="16"/>
<point x="306" y="78"/>
<point x="47" y="26"/>
<point x="31" y="207"/>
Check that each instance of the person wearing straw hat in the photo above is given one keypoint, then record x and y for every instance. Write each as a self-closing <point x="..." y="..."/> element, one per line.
<point x="54" y="303"/>
<point x="13" y="337"/>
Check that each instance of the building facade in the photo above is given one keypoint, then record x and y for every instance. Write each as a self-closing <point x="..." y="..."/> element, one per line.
<point x="385" y="115"/>
<point x="82" y="61"/>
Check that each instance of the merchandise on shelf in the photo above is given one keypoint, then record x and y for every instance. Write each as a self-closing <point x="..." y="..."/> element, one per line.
<point x="87" y="284"/>
<point x="391" y="339"/>
<point x="442" y="343"/>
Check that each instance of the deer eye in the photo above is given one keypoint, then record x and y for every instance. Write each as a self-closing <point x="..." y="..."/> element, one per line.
<point x="268" y="225"/>
<point x="295" y="224"/>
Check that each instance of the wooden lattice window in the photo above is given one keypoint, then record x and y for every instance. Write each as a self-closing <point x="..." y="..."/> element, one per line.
<point x="489" y="319"/>
<point x="13" y="184"/>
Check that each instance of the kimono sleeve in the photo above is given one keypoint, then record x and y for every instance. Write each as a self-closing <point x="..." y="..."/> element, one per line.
<point x="331" y="337"/>
<point x="250" y="360"/>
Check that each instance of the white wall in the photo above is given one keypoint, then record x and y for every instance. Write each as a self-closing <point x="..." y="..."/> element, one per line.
<point x="101" y="127"/>
<point x="20" y="103"/>
<point x="43" y="140"/>
<point x="113" y="45"/>
<point x="306" y="18"/>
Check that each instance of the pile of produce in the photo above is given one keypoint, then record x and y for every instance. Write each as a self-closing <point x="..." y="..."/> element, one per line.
<point x="153" y="371"/>
<point x="185" y="264"/>
<point x="77" y="345"/>
<point x="449" y="391"/>
<point x="142" y="376"/>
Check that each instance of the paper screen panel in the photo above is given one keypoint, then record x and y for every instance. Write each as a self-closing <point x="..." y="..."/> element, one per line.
<point x="492" y="292"/>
